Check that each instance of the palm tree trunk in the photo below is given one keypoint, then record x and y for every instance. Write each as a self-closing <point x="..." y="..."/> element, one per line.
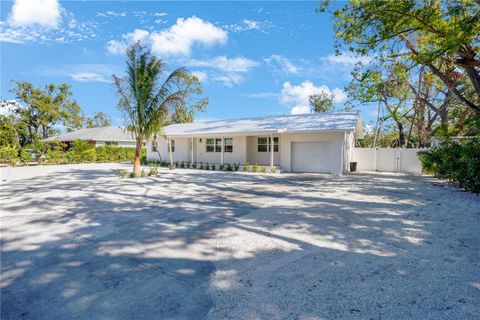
<point x="138" y="155"/>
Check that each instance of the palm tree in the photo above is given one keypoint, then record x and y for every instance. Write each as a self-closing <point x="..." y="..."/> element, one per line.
<point x="148" y="103"/>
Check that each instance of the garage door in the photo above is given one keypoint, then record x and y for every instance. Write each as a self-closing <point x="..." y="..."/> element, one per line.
<point x="311" y="157"/>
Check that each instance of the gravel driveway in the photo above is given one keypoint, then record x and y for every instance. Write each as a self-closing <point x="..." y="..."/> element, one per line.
<point x="79" y="243"/>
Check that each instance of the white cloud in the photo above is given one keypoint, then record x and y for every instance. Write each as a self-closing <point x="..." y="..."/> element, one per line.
<point x="239" y="64"/>
<point x="119" y="47"/>
<point x="82" y="72"/>
<point x="282" y="65"/>
<point x="232" y="70"/>
<point x="112" y="14"/>
<point x="247" y="25"/>
<point x="160" y="14"/>
<point x="297" y="96"/>
<point x="8" y="107"/>
<point x="261" y="95"/>
<point x="179" y="38"/>
<point x="346" y="58"/>
<point x="45" y="13"/>
<point x="201" y="75"/>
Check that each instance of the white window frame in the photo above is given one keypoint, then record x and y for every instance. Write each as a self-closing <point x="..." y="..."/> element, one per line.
<point x="276" y="143"/>
<point x="225" y="145"/>
<point x="173" y="145"/>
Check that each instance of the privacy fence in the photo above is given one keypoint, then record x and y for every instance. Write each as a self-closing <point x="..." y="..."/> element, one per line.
<point x="388" y="160"/>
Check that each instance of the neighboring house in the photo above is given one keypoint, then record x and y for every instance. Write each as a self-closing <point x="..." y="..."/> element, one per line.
<point x="321" y="142"/>
<point x="101" y="136"/>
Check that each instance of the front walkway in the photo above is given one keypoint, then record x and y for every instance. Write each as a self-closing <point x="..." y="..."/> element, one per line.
<point x="80" y="243"/>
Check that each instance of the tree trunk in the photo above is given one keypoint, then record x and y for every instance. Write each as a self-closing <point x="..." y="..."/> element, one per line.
<point x="138" y="156"/>
<point x="401" y="135"/>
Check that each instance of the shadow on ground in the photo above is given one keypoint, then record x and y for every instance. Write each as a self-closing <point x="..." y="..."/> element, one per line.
<point x="195" y="245"/>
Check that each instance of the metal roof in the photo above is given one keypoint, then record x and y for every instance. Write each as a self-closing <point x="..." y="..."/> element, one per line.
<point x="110" y="133"/>
<point x="315" y="122"/>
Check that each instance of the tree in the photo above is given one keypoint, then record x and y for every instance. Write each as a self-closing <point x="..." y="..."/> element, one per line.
<point x="99" y="119"/>
<point x="321" y="102"/>
<point x="146" y="101"/>
<point x="45" y="108"/>
<point x="440" y="35"/>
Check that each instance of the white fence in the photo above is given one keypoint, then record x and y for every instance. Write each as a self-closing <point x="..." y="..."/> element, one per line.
<point x="387" y="160"/>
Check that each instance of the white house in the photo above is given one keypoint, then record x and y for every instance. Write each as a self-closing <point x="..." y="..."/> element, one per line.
<point x="321" y="142"/>
<point x="101" y="136"/>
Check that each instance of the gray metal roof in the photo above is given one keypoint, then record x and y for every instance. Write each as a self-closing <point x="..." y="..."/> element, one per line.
<point x="110" y="133"/>
<point x="315" y="122"/>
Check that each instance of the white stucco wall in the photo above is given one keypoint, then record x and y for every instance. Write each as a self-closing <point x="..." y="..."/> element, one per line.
<point x="253" y="156"/>
<point x="388" y="160"/>
<point x="245" y="150"/>
<point x="129" y="144"/>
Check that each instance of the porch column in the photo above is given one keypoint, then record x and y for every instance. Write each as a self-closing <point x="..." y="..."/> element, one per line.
<point x="271" y="150"/>
<point x="191" y="153"/>
<point x="222" y="153"/>
<point x="170" y="150"/>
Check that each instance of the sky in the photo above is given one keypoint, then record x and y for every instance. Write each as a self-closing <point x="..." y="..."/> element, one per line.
<point x="252" y="58"/>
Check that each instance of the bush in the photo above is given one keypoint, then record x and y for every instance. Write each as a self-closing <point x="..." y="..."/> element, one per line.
<point x="236" y="166"/>
<point x="222" y="166"/>
<point x="229" y="167"/>
<point x="456" y="162"/>
<point x="153" y="171"/>
<point x="9" y="155"/>
<point x="245" y="167"/>
<point x="55" y="156"/>
<point x="264" y="169"/>
<point x="255" y="167"/>
<point x="25" y="156"/>
<point x="273" y="169"/>
<point x="122" y="173"/>
<point x="213" y="166"/>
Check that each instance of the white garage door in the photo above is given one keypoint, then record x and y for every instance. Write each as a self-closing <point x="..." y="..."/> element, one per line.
<point x="311" y="157"/>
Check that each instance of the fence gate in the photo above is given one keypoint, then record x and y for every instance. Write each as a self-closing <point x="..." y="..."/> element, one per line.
<point x="388" y="160"/>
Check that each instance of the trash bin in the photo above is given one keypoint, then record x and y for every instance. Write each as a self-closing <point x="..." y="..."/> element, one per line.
<point x="353" y="166"/>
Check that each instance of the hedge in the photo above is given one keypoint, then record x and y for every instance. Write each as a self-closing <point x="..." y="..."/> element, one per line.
<point x="456" y="162"/>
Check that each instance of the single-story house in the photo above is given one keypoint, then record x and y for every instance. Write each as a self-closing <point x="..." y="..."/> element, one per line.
<point x="101" y="136"/>
<point x="321" y="142"/>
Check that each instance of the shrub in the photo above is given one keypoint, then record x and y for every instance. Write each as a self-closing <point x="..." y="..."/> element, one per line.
<point x="213" y="166"/>
<point x="264" y="169"/>
<point x="245" y="167"/>
<point x="8" y="155"/>
<point x="273" y="169"/>
<point x="25" y="156"/>
<point x="236" y="166"/>
<point x="120" y="173"/>
<point x="153" y="171"/>
<point x="142" y="173"/>
<point x="182" y="164"/>
<point x="55" y="156"/>
<point x="229" y="167"/>
<point x="222" y="166"/>
<point x="455" y="162"/>
<point x="194" y="165"/>
<point x="131" y="175"/>
<point x="205" y="166"/>
<point x="255" y="167"/>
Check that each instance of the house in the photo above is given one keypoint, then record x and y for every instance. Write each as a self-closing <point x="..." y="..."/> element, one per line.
<point x="321" y="142"/>
<point x="101" y="136"/>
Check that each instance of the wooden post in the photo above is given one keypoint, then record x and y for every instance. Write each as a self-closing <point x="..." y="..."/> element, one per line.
<point x="271" y="150"/>
<point x="191" y="153"/>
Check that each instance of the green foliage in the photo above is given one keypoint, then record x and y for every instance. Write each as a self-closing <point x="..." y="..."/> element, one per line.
<point x="54" y="156"/>
<point x="153" y="171"/>
<point x="229" y="167"/>
<point x="25" y="156"/>
<point x="122" y="173"/>
<point x="9" y="135"/>
<point x="255" y="167"/>
<point x="131" y="175"/>
<point x="273" y="169"/>
<point x="264" y="170"/>
<point x="236" y="166"/>
<point x="321" y="102"/>
<point x="195" y="165"/>
<point x="213" y="166"/>
<point x="222" y="166"/>
<point x="456" y="162"/>
<point x="143" y="173"/>
<point x="245" y="167"/>
<point x="9" y="155"/>
<point x="99" y="119"/>
<point x="182" y="164"/>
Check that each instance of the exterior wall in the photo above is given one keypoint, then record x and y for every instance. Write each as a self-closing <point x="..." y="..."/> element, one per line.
<point x="253" y="156"/>
<point x="183" y="151"/>
<point x="336" y="148"/>
<point x="388" y="160"/>
<point x="127" y="144"/>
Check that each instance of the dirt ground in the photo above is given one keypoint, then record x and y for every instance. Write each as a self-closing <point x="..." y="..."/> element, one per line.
<point x="78" y="242"/>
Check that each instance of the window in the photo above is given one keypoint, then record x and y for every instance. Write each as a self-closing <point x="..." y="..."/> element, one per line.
<point x="215" y="145"/>
<point x="154" y="147"/>
<point x="228" y="147"/>
<point x="210" y="145"/>
<point x="173" y="145"/>
<point x="264" y="143"/>
<point x="111" y="143"/>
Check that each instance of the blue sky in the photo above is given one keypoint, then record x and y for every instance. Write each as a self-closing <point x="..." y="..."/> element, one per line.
<point x="253" y="58"/>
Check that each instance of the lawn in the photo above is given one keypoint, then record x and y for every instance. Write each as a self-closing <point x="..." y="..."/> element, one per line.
<point x="78" y="242"/>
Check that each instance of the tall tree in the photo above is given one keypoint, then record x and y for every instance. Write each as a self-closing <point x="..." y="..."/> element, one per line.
<point x="321" y="102"/>
<point x="146" y="100"/>
<point x="99" y="119"/>
<point x="47" y="107"/>
<point x="440" y="35"/>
